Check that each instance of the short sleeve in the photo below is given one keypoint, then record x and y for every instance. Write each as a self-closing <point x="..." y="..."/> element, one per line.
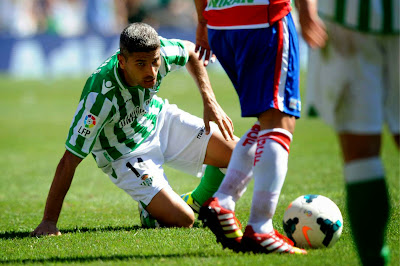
<point x="174" y="53"/>
<point x="92" y="113"/>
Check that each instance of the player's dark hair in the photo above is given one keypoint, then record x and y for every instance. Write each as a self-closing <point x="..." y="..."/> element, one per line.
<point x="138" y="37"/>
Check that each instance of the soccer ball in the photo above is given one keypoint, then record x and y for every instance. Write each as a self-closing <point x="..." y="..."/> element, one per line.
<point x="146" y="219"/>
<point x="313" y="221"/>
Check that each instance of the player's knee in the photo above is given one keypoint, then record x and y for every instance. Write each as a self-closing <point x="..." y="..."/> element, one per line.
<point x="182" y="217"/>
<point x="177" y="219"/>
<point x="219" y="151"/>
<point x="356" y="147"/>
<point x="187" y="220"/>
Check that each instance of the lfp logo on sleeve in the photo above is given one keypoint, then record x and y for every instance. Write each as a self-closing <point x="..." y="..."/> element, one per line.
<point x="85" y="128"/>
<point x="90" y="121"/>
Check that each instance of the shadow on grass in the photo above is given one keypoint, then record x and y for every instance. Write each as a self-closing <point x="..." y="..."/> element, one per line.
<point x="23" y="234"/>
<point x="105" y="258"/>
<point x="16" y="235"/>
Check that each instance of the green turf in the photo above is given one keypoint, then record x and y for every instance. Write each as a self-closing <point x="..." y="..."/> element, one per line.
<point x="100" y="223"/>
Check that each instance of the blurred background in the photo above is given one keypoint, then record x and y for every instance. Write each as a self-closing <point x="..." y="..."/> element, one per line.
<point x="52" y="38"/>
<point x="44" y="39"/>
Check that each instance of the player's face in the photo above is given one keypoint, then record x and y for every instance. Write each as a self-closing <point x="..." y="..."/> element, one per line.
<point x="141" y="68"/>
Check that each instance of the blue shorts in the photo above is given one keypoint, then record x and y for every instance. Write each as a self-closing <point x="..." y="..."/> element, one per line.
<point x="263" y="65"/>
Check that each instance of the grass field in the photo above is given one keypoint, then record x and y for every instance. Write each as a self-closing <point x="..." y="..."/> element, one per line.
<point x="100" y="223"/>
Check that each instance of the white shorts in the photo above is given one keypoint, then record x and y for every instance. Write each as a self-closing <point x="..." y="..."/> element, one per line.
<point x="354" y="81"/>
<point x="178" y="141"/>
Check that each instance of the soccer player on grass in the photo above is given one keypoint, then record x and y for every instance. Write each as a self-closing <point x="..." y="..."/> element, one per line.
<point x="354" y="81"/>
<point x="131" y="132"/>
<point x="256" y="44"/>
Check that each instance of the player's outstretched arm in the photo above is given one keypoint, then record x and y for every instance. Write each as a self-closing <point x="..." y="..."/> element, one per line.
<point x="212" y="110"/>
<point x="59" y="188"/>
<point x="202" y="45"/>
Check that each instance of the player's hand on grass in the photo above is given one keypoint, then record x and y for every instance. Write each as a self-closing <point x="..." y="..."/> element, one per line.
<point x="214" y="112"/>
<point x="202" y="45"/>
<point x="46" y="228"/>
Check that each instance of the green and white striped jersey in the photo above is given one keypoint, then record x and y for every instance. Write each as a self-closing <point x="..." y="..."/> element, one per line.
<point x="371" y="16"/>
<point x="113" y="119"/>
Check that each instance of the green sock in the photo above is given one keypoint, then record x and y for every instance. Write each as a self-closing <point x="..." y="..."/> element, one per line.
<point x="368" y="209"/>
<point x="209" y="184"/>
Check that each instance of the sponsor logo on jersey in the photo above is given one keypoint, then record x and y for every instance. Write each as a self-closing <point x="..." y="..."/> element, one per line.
<point x="146" y="178"/>
<point x="225" y="3"/>
<point x="85" y="128"/>
<point x="201" y="132"/>
<point x="90" y="121"/>
<point x="107" y="86"/>
<point x="84" y="132"/>
<point x="136" y="112"/>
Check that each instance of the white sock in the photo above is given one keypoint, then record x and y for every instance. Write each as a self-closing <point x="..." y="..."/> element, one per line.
<point x="363" y="170"/>
<point x="270" y="167"/>
<point x="262" y="212"/>
<point x="239" y="172"/>
<point x="225" y="201"/>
